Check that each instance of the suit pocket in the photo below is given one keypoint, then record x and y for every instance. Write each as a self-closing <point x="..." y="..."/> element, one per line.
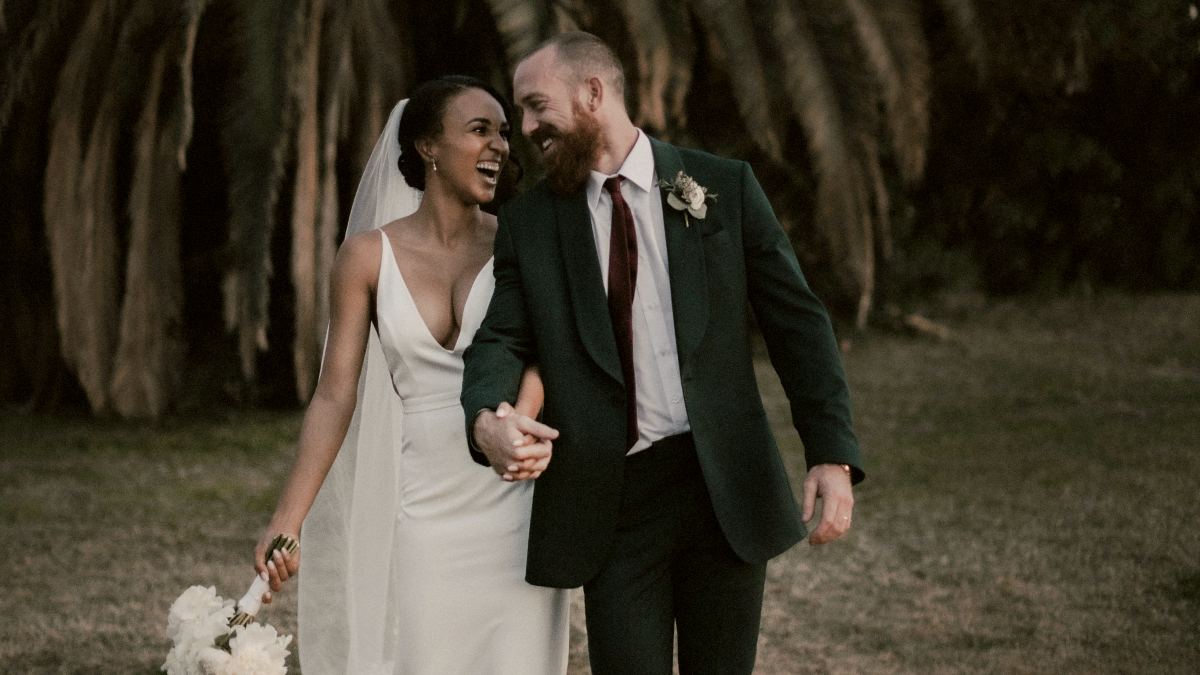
<point x="710" y="227"/>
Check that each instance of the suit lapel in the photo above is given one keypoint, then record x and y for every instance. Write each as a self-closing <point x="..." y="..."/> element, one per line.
<point x="685" y="269"/>
<point x="588" y="299"/>
<point x="685" y="261"/>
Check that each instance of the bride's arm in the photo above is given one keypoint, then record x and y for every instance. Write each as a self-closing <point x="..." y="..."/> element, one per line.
<point x="355" y="272"/>
<point x="530" y="396"/>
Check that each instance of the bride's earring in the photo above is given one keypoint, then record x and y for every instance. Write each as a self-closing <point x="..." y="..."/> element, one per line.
<point x="434" y="163"/>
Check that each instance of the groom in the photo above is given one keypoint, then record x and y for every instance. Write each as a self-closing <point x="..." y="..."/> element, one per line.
<point x="666" y="494"/>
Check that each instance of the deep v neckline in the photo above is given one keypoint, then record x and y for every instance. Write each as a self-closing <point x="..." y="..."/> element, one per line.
<point x="412" y="301"/>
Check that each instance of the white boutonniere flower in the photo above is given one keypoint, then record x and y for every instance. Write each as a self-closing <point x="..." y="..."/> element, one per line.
<point x="685" y="194"/>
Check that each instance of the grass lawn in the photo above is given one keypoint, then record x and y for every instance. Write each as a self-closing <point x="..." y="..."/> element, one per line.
<point x="1031" y="506"/>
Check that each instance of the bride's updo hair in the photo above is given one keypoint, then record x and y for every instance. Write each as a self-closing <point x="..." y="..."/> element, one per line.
<point x="423" y="115"/>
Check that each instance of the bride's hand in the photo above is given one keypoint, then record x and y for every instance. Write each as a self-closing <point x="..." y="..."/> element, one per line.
<point x="281" y="567"/>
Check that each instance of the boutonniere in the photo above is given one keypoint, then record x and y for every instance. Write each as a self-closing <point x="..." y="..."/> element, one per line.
<point x="685" y="194"/>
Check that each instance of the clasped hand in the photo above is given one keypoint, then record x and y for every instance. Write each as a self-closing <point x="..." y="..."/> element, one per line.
<point x="517" y="446"/>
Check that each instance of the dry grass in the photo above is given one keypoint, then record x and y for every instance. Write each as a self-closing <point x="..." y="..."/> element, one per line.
<point x="1031" y="507"/>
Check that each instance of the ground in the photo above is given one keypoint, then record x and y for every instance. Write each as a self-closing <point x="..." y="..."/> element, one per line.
<point x="1031" y="506"/>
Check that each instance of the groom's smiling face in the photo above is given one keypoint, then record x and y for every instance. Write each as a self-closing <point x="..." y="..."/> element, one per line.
<point x="554" y="118"/>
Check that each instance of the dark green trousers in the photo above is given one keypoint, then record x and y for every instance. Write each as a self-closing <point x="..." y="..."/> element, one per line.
<point x="671" y="567"/>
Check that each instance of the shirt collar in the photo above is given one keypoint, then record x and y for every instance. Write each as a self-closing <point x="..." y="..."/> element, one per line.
<point x="638" y="169"/>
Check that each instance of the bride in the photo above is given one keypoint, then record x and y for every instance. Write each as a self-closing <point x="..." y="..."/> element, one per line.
<point x="415" y="555"/>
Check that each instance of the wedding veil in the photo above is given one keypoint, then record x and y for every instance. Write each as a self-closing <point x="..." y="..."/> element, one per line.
<point x="347" y="536"/>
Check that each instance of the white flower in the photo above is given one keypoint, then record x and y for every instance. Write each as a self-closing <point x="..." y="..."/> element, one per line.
<point x="685" y="194"/>
<point x="254" y="650"/>
<point x="196" y="619"/>
<point x="212" y="661"/>
<point x="196" y="605"/>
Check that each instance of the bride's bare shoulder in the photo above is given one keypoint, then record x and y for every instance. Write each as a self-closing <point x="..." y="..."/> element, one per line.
<point x="358" y="259"/>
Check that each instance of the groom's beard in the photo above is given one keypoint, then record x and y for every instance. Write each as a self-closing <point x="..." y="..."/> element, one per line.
<point x="570" y="158"/>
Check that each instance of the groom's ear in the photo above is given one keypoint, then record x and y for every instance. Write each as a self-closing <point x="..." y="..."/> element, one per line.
<point x="593" y="93"/>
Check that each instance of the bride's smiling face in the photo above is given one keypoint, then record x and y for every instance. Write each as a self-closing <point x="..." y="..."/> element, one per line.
<point x="472" y="148"/>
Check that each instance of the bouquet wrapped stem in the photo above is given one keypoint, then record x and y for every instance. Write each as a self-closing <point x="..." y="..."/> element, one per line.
<point x="251" y="603"/>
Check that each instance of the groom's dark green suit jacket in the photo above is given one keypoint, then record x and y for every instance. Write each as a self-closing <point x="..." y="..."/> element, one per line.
<point x="550" y="308"/>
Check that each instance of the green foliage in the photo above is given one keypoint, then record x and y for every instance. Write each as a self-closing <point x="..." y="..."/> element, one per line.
<point x="1074" y="163"/>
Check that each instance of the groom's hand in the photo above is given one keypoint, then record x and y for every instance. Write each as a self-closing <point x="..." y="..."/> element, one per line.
<point x="518" y="447"/>
<point x="830" y="482"/>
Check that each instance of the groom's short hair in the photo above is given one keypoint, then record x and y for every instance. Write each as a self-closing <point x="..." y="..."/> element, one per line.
<point x="587" y="55"/>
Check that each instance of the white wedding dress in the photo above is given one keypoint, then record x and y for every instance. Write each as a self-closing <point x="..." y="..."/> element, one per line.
<point x="459" y="599"/>
<point x="414" y="555"/>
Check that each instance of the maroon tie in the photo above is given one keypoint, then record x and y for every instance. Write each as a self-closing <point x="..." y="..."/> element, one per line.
<point x="622" y="280"/>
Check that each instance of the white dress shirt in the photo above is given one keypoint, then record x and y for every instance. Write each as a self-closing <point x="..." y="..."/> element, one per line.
<point x="660" y="408"/>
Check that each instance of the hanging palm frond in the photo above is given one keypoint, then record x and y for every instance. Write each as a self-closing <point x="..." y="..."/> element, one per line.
<point x="968" y="31"/>
<point x="148" y="364"/>
<point x="79" y="204"/>
<point x="730" y="24"/>
<point x="522" y="24"/>
<point x="839" y="129"/>
<point x="569" y="15"/>
<point x="337" y="110"/>
<point x="24" y="55"/>
<point x="677" y="21"/>
<point x="891" y="37"/>
<point x="267" y="35"/>
<point x="326" y="82"/>
<point x="383" y="69"/>
<point x="305" y="201"/>
<point x="337" y="104"/>
<point x="652" y="60"/>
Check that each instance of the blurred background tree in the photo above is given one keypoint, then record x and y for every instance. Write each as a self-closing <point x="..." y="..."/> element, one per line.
<point x="175" y="175"/>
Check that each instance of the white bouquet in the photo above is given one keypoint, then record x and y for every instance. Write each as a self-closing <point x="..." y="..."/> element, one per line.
<point x="199" y="619"/>
<point x="212" y="636"/>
